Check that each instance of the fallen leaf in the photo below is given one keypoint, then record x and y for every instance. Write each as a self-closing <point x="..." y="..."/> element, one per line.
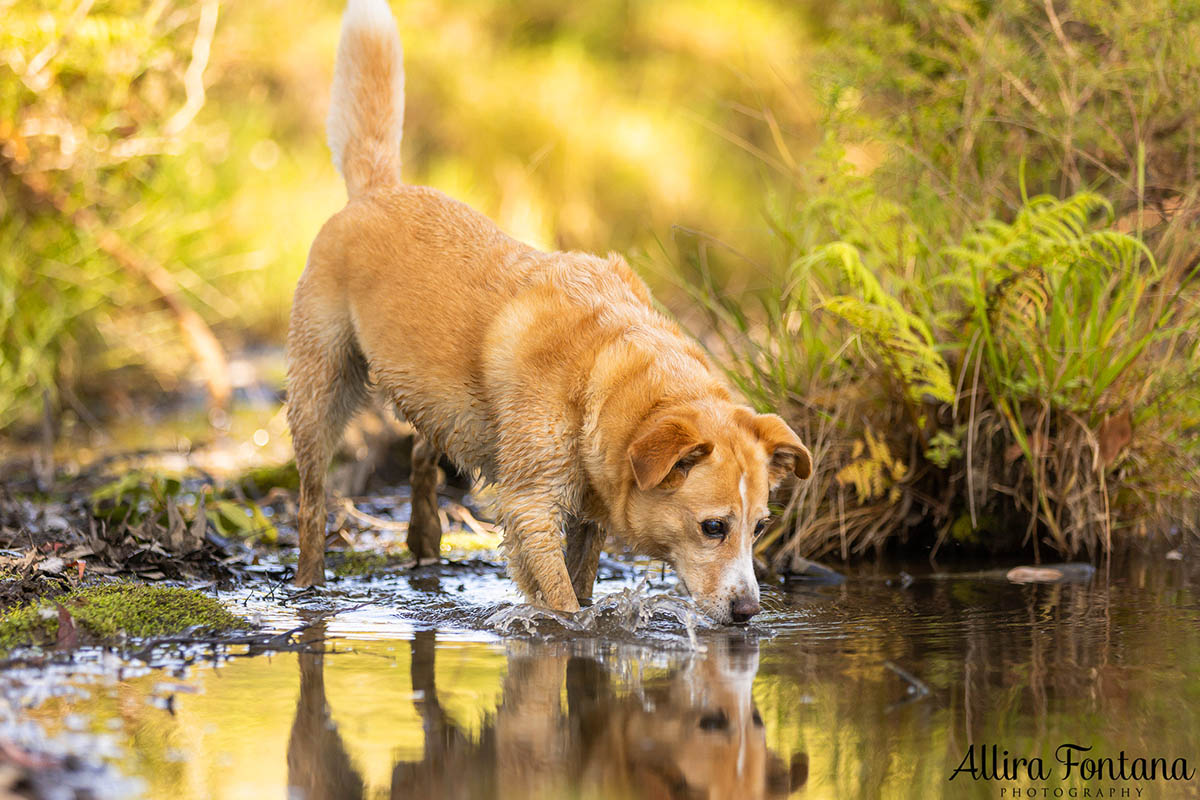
<point x="176" y="527"/>
<point x="1116" y="432"/>
<point x="78" y="552"/>
<point x="30" y="558"/>
<point x="52" y="565"/>
<point x="67" y="635"/>
<point x="200" y="524"/>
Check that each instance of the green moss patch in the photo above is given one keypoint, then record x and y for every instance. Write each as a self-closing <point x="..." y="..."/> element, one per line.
<point x="258" y="481"/>
<point x="361" y="562"/>
<point x="105" y="612"/>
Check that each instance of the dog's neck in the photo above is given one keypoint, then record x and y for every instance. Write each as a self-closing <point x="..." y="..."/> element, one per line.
<point x="609" y="428"/>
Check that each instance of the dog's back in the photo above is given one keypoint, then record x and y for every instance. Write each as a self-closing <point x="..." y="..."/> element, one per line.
<point x="451" y="314"/>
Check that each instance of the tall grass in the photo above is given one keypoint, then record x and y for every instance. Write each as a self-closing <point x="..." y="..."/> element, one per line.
<point x="973" y="365"/>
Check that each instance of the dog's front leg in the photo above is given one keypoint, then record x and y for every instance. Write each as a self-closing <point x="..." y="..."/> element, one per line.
<point x="585" y="541"/>
<point x="533" y="543"/>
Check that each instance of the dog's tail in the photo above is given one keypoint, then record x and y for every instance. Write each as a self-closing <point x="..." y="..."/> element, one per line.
<point x="366" y="109"/>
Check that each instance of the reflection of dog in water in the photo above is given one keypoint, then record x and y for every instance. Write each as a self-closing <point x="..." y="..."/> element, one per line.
<point x="693" y="734"/>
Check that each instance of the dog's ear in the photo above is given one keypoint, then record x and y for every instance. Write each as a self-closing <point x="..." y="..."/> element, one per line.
<point x="784" y="448"/>
<point x="669" y="443"/>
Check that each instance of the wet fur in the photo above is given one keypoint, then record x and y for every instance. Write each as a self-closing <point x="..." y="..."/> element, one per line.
<point x="550" y="374"/>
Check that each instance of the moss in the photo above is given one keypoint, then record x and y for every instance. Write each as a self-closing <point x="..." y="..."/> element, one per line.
<point x="259" y="481"/>
<point x="359" y="562"/>
<point x="36" y="623"/>
<point x="111" y="610"/>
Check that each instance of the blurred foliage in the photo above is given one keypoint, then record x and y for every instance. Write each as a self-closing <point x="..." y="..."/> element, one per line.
<point x="137" y="497"/>
<point x="595" y="127"/>
<point x="961" y="234"/>
<point x="1032" y="359"/>
<point x="99" y="143"/>
<point x="962" y="104"/>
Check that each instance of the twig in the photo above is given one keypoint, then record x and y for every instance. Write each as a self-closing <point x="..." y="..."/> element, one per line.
<point x="917" y="688"/>
<point x="1056" y="26"/>
<point x="378" y="522"/>
<point x="464" y="515"/>
<point x="193" y="79"/>
<point x="34" y="77"/>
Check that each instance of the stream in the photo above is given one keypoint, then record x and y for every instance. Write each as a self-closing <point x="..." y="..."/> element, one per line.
<point x="432" y="683"/>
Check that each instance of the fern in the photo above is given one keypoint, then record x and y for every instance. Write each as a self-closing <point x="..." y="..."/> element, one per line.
<point x="874" y="472"/>
<point x="901" y="339"/>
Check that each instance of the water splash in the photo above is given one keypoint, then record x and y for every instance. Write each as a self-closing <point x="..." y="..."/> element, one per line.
<point x="622" y="614"/>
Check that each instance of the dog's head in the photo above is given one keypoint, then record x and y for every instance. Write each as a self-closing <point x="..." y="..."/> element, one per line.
<point x="700" y="479"/>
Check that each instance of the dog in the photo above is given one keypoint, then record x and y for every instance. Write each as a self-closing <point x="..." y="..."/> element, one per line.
<point x="550" y="375"/>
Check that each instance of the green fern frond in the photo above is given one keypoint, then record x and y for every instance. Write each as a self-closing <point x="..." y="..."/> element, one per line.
<point x="1019" y="303"/>
<point x="874" y="472"/>
<point x="902" y="340"/>
<point x="870" y="290"/>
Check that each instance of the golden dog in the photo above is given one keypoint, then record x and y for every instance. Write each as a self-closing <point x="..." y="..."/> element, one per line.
<point x="550" y="374"/>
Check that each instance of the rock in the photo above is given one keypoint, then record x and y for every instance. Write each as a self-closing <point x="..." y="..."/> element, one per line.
<point x="801" y="570"/>
<point x="1052" y="573"/>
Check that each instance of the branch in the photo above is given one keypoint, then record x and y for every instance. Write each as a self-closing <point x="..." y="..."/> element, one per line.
<point x="193" y="79"/>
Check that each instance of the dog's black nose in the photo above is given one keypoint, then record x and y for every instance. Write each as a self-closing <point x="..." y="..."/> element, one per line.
<point x="743" y="608"/>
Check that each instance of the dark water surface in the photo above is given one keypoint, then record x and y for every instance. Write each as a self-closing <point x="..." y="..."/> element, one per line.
<point x="874" y="689"/>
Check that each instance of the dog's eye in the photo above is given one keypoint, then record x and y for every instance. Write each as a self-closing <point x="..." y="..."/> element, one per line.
<point x="760" y="527"/>
<point x="713" y="528"/>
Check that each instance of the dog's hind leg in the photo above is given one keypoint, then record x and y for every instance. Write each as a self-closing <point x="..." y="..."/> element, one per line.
<point x="585" y="541"/>
<point x="327" y="384"/>
<point x="424" y="526"/>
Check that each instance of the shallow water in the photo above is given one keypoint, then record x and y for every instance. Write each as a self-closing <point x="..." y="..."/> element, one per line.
<point x="873" y="689"/>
